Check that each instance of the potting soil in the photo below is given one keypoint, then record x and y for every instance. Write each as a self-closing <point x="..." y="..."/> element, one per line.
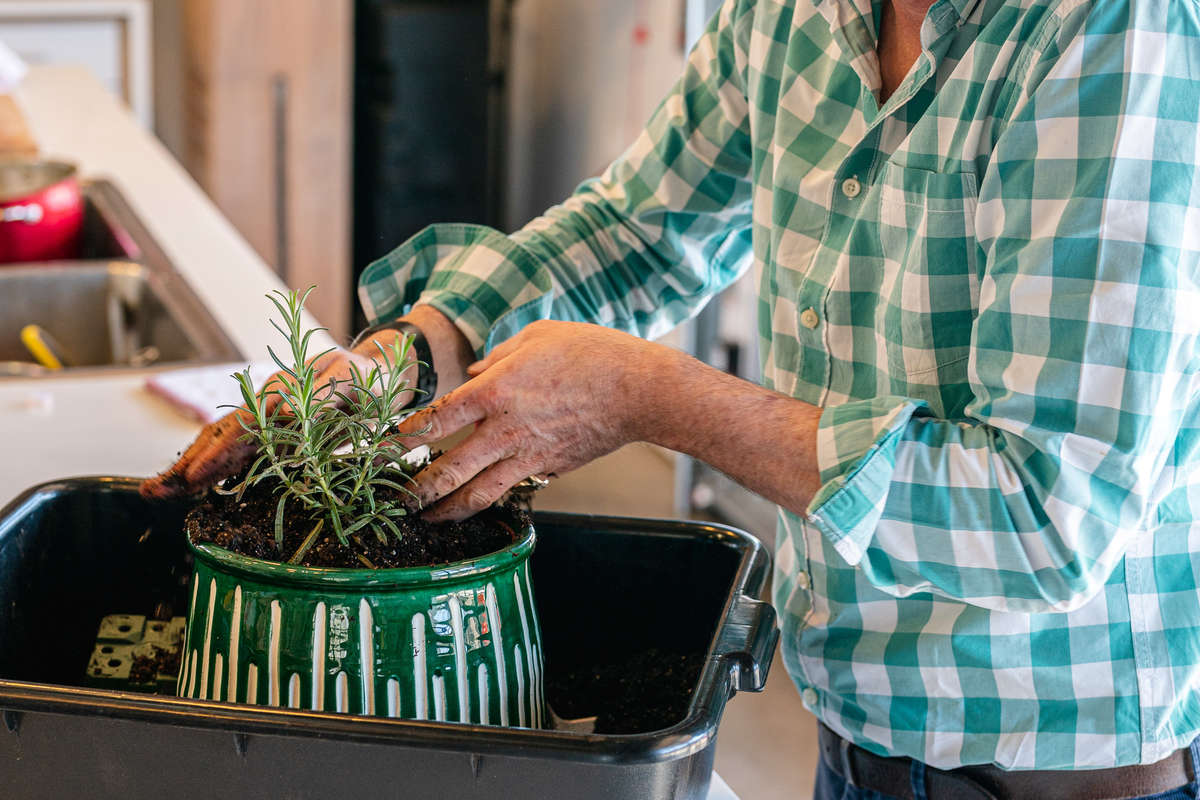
<point x="647" y="691"/>
<point x="247" y="526"/>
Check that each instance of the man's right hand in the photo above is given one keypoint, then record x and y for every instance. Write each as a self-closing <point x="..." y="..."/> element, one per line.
<point x="219" y="450"/>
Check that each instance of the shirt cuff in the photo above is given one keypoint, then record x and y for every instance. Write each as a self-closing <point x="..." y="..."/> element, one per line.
<point x="483" y="281"/>
<point x="856" y="453"/>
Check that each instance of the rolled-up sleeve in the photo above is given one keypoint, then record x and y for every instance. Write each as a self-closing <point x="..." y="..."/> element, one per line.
<point x="641" y="248"/>
<point x="1085" y="352"/>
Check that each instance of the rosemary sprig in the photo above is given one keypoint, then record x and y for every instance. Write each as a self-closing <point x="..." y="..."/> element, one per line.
<point x="329" y="448"/>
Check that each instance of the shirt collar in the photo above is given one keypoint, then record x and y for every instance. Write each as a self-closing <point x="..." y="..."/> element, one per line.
<point x="856" y="20"/>
<point x="854" y="25"/>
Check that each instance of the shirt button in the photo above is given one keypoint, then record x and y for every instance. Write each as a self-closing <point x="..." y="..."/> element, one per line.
<point x="851" y="187"/>
<point x="809" y="318"/>
<point x="802" y="580"/>
<point x="809" y="696"/>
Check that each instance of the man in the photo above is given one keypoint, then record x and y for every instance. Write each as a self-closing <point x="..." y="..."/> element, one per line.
<point x="975" y="227"/>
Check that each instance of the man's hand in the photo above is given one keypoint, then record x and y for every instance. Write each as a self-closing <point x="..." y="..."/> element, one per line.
<point x="552" y="398"/>
<point x="219" y="451"/>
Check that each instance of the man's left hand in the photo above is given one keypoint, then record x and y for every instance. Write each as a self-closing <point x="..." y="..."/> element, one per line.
<point x="552" y="398"/>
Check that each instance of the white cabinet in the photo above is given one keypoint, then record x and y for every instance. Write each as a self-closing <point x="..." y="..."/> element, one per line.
<point x="109" y="37"/>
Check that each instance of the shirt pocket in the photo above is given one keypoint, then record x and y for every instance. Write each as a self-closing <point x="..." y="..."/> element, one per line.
<point x="930" y="288"/>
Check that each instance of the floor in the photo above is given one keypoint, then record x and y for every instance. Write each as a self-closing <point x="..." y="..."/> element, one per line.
<point x="766" y="747"/>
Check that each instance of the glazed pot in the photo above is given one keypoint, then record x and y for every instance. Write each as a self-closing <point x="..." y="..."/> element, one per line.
<point x="454" y="642"/>
<point x="41" y="211"/>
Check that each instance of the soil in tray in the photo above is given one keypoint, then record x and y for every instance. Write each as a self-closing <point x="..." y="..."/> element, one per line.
<point x="247" y="526"/>
<point x="647" y="691"/>
<point x="145" y="668"/>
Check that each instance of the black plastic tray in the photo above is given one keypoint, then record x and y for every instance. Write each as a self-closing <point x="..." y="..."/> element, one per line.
<point x="72" y="551"/>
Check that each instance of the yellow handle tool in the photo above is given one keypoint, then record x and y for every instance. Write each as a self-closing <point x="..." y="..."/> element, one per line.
<point x="42" y="346"/>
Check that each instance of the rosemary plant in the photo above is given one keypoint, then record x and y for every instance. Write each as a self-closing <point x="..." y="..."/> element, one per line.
<point x="330" y="449"/>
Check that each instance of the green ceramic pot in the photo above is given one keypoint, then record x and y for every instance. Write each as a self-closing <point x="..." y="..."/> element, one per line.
<point x="456" y="642"/>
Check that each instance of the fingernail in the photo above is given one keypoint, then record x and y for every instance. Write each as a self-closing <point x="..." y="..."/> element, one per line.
<point x="431" y="509"/>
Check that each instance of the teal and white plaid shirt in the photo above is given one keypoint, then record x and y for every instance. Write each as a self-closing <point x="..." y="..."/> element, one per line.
<point x="991" y="284"/>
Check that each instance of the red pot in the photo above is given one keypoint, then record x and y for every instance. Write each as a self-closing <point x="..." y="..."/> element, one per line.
<point x="41" y="211"/>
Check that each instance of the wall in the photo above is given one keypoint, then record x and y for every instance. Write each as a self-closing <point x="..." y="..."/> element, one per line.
<point x="169" y="86"/>
<point x="585" y="77"/>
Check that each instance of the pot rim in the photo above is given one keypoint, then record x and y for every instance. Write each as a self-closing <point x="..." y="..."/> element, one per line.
<point x="227" y="561"/>
<point x="43" y="174"/>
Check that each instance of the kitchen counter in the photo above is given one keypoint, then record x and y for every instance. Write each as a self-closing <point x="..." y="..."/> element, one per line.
<point x="107" y="424"/>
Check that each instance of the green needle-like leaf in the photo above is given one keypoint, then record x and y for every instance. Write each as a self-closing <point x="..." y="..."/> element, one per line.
<point x="279" y="521"/>
<point x="307" y="544"/>
<point x="394" y="529"/>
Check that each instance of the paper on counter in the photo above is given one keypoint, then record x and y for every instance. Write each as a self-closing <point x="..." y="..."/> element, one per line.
<point x="199" y="392"/>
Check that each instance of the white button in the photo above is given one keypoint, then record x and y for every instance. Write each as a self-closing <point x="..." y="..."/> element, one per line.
<point x="851" y="187"/>
<point x="809" y="318"/>
<point x="809" y="696"/>
<point x="802" y="580"/>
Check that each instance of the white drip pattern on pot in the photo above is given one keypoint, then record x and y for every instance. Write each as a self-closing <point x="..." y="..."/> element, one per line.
<point x="212" y="605"/>
<point x="420" y="681"/>
<point x="520" y="690"/>
<point x="536" y="668"/>
<point x="460" y="658"/>
<point x="207" y="672"/>
<point x="393" y="696"/>
<point x="318" y="658"/>
<point x="235" y="641"/>
<point x="366" y="650"/>
<point x="252" y="684"/>
<point x="484" y="708"/>
<point x="273" y="654"/>
<point x="493" y="613"/>
<point x="185" y="677"/>
<point x="218" y="671"/>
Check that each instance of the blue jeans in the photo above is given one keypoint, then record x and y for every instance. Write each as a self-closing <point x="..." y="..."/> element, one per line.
<point x="832" y="786"/>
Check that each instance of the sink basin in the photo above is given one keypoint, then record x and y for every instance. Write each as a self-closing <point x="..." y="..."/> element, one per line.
<point x="121" y="305"/>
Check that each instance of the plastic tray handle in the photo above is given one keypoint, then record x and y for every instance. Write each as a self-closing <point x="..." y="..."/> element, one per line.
<point x="748" y="639"/>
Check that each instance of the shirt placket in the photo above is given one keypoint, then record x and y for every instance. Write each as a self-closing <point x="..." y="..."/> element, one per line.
<point x="853" y="177"/>
<point x="850" y="184"/>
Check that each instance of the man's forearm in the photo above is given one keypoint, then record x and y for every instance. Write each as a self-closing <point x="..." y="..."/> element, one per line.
<point x="764" y="440"/>
<point x="559" y="394"/>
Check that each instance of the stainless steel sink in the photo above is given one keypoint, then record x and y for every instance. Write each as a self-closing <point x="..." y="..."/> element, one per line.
<point x="121" y="306"/>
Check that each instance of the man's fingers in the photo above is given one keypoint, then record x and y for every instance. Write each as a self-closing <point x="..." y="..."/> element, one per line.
<point x="434" y="423"/>
<point x="480" y="492"/>
<point x="201" y="461"/>
<point x="457" y="467"/>
<point x="487" y="361"/>
<point x="219" y="462"/>
<point x="164" y="486"/>
<point x="498" y="353"/>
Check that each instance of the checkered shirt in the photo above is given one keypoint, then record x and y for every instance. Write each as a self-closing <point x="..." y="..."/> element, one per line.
<point x="991" y="286"/>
